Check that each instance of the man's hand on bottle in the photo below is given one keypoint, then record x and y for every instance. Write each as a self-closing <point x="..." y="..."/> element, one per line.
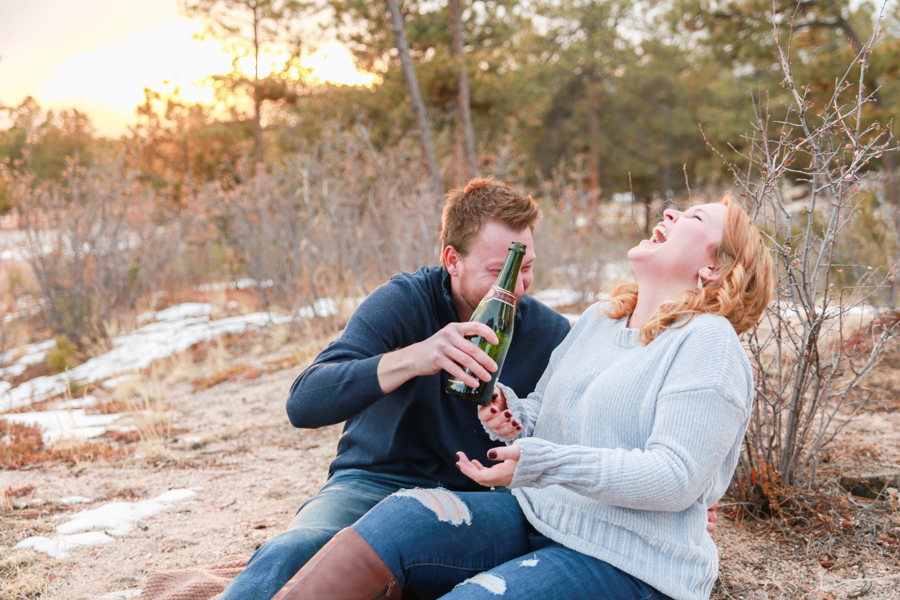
<point x="448" y="349"/>
<point x="498" y="418"/>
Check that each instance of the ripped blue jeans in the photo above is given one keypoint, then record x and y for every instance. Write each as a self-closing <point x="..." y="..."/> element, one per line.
<point x="467" y="546"/>
<point x="346" y="497"/>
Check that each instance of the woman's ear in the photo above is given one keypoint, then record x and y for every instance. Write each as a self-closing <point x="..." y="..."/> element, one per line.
<point x="710" y="273"/>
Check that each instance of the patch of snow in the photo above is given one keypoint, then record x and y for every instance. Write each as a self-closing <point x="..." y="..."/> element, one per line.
<point x="183" y="311"/>
<point x="82" y="402"/>
<point x="33" y="353"/>
<point x="95" y="526"/>
<point x="61" y="424"/>
<point x="58" y="546"/>
<point x="176" y="329"/>
<point x="121" y="595"/>
<point x="111" y="384"/>
<point x="75" y="500"/>
<point x="558" y="297"/>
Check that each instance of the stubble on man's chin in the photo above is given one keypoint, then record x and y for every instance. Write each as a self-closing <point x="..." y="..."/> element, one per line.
<point x="469" y="299"/>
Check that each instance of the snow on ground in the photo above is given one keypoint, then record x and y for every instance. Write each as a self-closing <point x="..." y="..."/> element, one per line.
<point x="100" y="525"/>
<point x="65" y="424"/>
<point x="174" y="330"/>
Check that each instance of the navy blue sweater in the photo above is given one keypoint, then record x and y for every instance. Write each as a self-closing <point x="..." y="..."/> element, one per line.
<point x="416" y="429"/>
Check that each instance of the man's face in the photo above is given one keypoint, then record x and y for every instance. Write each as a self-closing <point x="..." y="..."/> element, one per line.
<point x="473" y="275"/>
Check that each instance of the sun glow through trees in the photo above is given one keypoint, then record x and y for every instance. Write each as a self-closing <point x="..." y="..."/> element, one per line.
<point x="108" y="82"/>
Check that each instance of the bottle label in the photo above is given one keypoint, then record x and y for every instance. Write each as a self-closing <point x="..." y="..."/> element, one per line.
<point x="500" y="295"/>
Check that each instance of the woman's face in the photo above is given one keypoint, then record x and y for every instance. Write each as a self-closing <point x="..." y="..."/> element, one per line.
<point x="682" y="246"/>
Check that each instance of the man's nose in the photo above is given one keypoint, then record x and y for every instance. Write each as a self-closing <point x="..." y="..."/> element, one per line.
<point x="520" y="286"/>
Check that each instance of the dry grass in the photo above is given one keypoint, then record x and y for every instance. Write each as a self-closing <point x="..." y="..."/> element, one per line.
<point x="23" y="445"/>
<point x="246" y="372"/>
<point x="826" y="535"/>
<point x="24" y="573"/>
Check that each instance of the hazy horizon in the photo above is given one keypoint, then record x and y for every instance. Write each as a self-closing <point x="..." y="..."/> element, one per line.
<point x="99" y="55"/>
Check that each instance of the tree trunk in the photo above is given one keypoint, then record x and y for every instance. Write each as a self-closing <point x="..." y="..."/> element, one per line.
<point x="465" y="134"/>
<point x="415" y="97"/>
<point x="594" y="149"/>
<point x="257" y="120"/>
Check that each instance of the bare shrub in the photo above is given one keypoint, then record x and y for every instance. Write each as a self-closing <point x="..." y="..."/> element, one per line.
<point x="335" y="219"/>
<point x="96" y="243"/>
<point x="818" y="340"/>
<point x="582" y="242"/>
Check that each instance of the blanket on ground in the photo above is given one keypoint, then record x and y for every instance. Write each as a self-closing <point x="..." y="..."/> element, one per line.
<point x="198" y="583"/>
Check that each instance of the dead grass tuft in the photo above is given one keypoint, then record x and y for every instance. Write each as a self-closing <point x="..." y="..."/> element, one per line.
<point x="24" y="574"/>
<point x="19" y="492"/>
<point x="23" y="445"/>
<point x="246" y="372"/>
<point x="832" y="523"/>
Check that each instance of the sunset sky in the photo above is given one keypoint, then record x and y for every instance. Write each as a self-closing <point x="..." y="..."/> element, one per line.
<point x="99" y="55"/>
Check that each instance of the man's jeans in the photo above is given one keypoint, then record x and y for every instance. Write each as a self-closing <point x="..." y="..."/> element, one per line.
<point x="347" y="496"/>
<point x="464" y="546"/>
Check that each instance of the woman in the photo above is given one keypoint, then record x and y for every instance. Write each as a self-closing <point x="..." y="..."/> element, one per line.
<point x="633" y="431"/>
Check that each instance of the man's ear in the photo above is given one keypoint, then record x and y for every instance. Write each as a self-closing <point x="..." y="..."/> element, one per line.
<point x="710" y="273"/>
<point x="451" y="261"/>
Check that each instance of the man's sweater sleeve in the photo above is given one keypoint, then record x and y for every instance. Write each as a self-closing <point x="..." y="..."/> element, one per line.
<point x="343" y="380"/>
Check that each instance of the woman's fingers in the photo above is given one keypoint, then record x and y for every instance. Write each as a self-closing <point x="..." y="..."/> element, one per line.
<point x="511" y="452"/>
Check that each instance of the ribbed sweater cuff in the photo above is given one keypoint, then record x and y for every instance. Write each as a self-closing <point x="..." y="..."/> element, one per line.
<point x="532" y="463"/>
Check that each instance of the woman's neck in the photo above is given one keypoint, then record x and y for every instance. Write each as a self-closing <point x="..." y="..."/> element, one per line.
<point x="650" y="298"/>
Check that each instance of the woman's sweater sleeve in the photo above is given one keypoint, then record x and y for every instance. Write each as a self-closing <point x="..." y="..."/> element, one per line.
<point x="694" y="430"/>
<point x="527" y="409"/>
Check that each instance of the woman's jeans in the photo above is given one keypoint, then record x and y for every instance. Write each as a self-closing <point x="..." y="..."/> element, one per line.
<point x="347" y="496"/>
<point x="475" y="545"/>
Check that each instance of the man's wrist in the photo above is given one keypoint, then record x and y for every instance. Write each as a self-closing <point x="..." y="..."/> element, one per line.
<point x="396" y="368"/>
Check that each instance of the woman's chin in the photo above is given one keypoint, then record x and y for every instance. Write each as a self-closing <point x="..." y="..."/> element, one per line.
<point x="643" y="248"/>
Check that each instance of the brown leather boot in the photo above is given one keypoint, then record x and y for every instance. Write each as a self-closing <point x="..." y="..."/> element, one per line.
<point x="346" y="568"/>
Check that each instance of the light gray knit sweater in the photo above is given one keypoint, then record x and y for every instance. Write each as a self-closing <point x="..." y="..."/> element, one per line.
<point x="625" y="446"/>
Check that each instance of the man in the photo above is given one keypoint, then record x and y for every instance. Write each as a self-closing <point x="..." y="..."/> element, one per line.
<point x="385" y="376"/>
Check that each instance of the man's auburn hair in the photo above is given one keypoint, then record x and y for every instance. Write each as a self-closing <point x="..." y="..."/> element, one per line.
<point x="481" y="200"/>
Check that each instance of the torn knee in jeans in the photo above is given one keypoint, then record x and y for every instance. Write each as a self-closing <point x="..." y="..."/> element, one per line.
<point x="445" y="504"/>
<point x="529" y="562"/>
<point x="492" y="583"/>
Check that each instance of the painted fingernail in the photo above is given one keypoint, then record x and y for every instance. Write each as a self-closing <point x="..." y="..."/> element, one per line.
<point x="519" y="427"/>
<point x="458" y="467"/>
<point x="493" y="410"/>
<point x="507" y="414"/>
<point x="492" y="454"/>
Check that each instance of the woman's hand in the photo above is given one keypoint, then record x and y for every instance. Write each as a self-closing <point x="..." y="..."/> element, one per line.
<point x="498" y="418"/>
<point x="500" y="474"/>
<point x="712" y="516"/>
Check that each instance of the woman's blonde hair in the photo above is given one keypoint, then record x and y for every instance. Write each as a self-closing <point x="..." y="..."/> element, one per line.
<point x="741" y="293"/>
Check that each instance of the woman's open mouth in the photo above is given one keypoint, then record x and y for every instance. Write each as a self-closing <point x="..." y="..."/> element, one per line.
<point x="659" y="235"/>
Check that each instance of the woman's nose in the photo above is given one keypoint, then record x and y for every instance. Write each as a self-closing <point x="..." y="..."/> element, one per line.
<point x="671" y="214"/>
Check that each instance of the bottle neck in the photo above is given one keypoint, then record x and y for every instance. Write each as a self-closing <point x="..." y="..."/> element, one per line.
<point x="510" y="272"/>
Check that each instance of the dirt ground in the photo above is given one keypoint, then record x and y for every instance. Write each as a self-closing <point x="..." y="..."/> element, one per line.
<point x="251" y="471"/>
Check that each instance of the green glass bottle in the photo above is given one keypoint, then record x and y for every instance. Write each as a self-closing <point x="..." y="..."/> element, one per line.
<point x="498" y="311"/>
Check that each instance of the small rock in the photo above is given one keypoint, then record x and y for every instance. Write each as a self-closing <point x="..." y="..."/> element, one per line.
<point x="870" y="485"/>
